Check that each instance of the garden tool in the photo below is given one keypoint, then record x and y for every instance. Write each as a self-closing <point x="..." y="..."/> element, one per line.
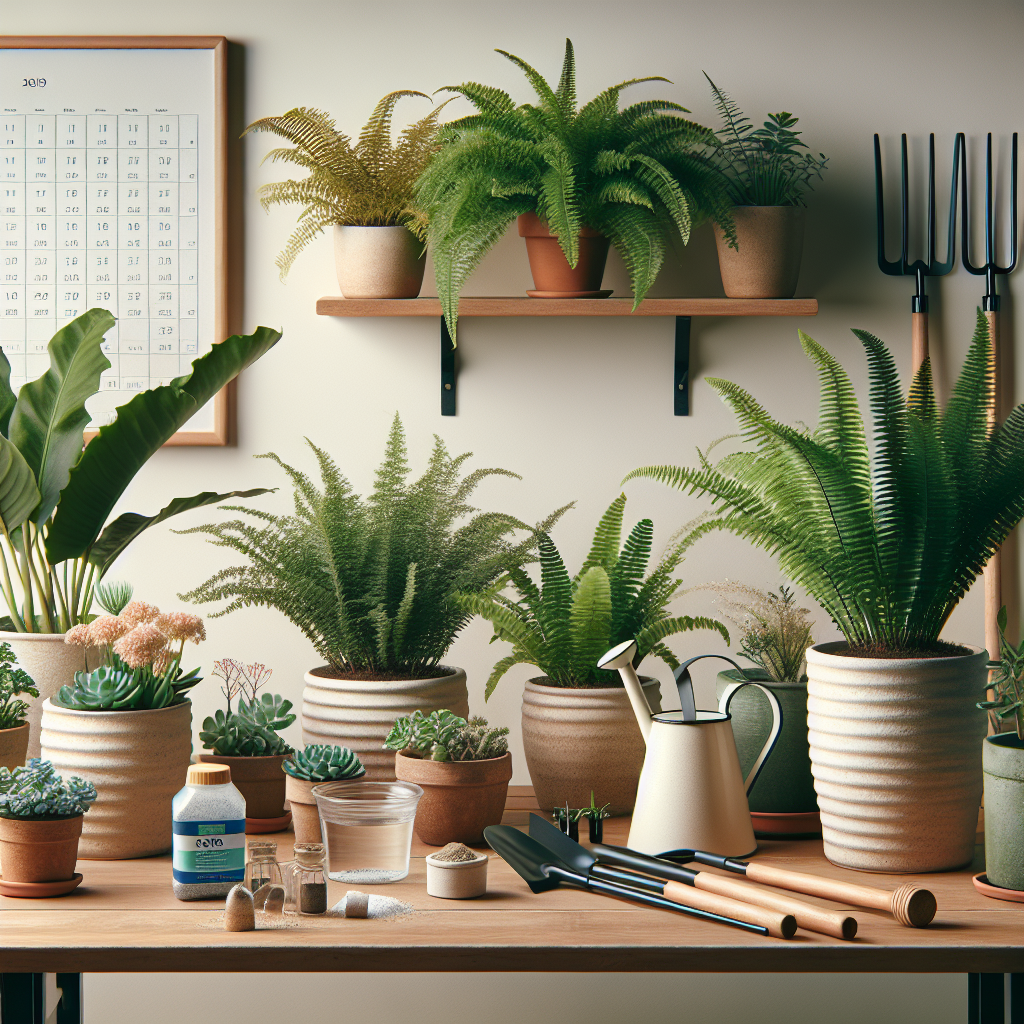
<point x="691" y="792"/>
<point x="919" y="268"/>
<point x="596" y="862"/>
<point x="542" y="870"/>
<point x="990" y="304"/>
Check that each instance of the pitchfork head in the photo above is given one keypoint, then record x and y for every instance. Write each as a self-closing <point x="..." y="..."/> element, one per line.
<point x="929" y="267"/>
<point x="990" y="268"/>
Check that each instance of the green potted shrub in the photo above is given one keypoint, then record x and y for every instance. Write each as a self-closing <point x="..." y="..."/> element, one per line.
<point x="578" y="180"/>
<point x="127" y="724"/>
<point x="463" y="768"/>
<point x="364" y="190"/>
<point x="579" y="730"/>
<point x="768" y="170"/>
<point x="14" y="683"/>
<point x="40" y="822"/>
<point x="247" y="740"/>
<point x="370" y="582"/>
<point x="58" y="492"/>
<point x="888" y="545"/>
<point x="1003" y="764"/>
<point x="307" y="768"/>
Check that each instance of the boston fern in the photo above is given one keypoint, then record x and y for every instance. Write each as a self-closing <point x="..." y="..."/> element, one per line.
<point x="370" y="581"/>
<point x="888" y="545"/>
<point x="635" y="175"/>
<point x="566" y="624"/>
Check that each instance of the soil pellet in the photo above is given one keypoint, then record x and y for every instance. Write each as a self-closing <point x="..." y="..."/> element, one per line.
<point x="239" y="912"/>
<point x="356" y="903"/>
<point x="313" y="898"/>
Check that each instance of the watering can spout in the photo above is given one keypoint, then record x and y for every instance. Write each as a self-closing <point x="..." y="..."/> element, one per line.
<point x="621" y="658"/>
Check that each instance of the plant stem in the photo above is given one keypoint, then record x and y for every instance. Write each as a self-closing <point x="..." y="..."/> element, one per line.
<point x="45" y="599"/>
<point x="12" y="605"/>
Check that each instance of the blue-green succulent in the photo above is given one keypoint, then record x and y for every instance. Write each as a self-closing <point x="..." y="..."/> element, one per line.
<point x="36" y="791"/>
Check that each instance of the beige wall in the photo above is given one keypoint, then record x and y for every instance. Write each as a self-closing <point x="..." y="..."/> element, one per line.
<point x="572" y="405"/>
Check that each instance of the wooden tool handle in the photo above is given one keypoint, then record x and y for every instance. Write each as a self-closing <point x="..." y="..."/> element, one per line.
<point x="919" y="340"/>
<point x="814" y="919"/>
<point x="782" y="926"/>
<point x="993" y="575"/>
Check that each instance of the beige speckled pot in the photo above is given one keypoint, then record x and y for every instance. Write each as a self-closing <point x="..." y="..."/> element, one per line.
<point x="14" y="746"/>
<point x="136" y="760"/>
<point x="576" y="741"/>
<point x="52" y="664"/>
<point x="359" y="714"/>
<point x="767" y="263"/>
<point x="378" y="262"/>
<point x="896" y="757"/>
<point x="305" y="816"/>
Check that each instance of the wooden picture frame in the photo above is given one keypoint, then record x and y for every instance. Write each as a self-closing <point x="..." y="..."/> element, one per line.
<point x="214" y="307"/>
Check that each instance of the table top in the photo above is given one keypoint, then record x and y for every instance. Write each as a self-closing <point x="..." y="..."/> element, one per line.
<point x="124" y="917"/>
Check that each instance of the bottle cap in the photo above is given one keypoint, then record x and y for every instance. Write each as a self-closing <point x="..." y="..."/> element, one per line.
<point x="309" y="855"/>
<point x="207" y="775"/>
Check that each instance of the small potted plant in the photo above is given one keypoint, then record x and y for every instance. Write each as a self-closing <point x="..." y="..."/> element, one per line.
<point x="768" y="169"/>
<point x="40" y="824"/>
<point x="14" y="683"/>
<point x="363" y="190"/>
<point x="463" y="768"/>
<point x="579" y="730"/>
<point x="595" y="819"/>
<point x="247" y="741"/>
<point x="307" y="768"/>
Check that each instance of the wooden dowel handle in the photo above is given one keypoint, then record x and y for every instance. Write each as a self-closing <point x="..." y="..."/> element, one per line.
<point x="919" y="340"/>
<point x="993" y="574"/>
<point x="782" y="926"/>
<point x="814" y="919"/>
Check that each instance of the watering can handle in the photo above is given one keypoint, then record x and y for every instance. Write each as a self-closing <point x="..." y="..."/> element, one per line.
<point x="773" y="736"/>
<point x="684" y="684"/>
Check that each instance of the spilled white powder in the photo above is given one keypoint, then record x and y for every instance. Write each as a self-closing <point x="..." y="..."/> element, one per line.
<point x="381" y="908"/>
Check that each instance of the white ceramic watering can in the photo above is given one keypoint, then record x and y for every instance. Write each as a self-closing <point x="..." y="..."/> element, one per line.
<point x="692" y="794"/>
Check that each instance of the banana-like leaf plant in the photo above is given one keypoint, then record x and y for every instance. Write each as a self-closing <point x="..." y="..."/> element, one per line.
<point x="56" y="496"/>
<point x="889" y="544"/>
<point x="564" y="625"/>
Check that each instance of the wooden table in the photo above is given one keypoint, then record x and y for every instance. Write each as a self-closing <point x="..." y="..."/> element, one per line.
<point x="125" y="918"/>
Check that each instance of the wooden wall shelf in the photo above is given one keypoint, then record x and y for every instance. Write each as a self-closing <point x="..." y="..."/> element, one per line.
<point x="682" y="309"/>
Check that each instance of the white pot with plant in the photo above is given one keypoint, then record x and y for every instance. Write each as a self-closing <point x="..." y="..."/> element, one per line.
<point x="580" y="735"/>
<point x="371" y="583"/>
<point x="895" y="733"/>
<point x="364" y="191"/>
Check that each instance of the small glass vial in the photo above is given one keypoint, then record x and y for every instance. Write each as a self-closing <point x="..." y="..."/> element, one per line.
<point x="262" y="866"/>
<point x="307" y="892"/>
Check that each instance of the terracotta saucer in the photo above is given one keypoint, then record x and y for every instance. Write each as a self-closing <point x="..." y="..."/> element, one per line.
<point x="258" y="826"/>
<point x="39" y="890"/>
<point x="786" y="824"/>
<point x="602" y="294"/>
<point x="996" y="892"/>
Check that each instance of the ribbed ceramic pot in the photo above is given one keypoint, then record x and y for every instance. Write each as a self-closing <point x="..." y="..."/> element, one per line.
<point x="14" y="746"/>
<point x="767" y="263"/>
<point x="259" y="779"/>
<point x="1003" y="760"/>
<point x="39" y="851"/>
<point x="896" y="757"/>
<point x="305" y="816"/>
<point x="359" y="714"/>
<point x="52" y="664"/>
<point x="136" y="760"/>
<point x="378" y="262"/>
<point x="576" y="741"/>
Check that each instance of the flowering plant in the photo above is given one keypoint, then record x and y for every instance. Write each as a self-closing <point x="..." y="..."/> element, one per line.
<point x="37" y="792"/>
<point x="252" y="730"/>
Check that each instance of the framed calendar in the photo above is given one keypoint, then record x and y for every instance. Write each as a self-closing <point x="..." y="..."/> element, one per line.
<point x="113" y="182"/>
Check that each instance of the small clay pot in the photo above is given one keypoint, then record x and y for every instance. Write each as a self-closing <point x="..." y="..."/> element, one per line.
<point x="551" y="270"/>
<point x="456" y="880"/>
<point x="14" y="746"/>
<point x="39" y="851"/>
<point x="261" y="780"/>
<point x="767" y="263"/>
<point x="460" y="798"/>
<point x="305" y="816"/>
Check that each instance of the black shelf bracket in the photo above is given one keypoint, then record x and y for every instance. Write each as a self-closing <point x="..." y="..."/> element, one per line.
<point x="448" y="371"/>
<point x="681" y="374"/>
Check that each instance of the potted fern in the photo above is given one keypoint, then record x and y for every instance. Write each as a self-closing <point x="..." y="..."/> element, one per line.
<point x="307" y="768"/>
<point x="370" y="582"/>
<point x="14" y="683"/>
<point x="578" y="179"/>
<point x="768" y="169"/>
<point x="364" y="190"/>
<point x="579" y="730"/>
<point x="888" y="545"/>
<point x="463" y="769"/>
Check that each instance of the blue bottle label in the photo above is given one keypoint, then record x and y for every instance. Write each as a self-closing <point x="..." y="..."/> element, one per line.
<point x="209" y="851"/>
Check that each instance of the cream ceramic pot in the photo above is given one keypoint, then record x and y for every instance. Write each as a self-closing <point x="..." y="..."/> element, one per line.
<point x="692" y="794"/>
<point x="378" y="262"/>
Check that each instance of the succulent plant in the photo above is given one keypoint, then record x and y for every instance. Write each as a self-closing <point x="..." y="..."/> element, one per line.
<point x="324" y="763"/>
<point x="14" y="682"/>
<point x="36" y="791"/>
<point x="113" y="597"/>
<point x="443" y="736"/>
<point x="252" y="730"/>
<point x="108" y="688"/>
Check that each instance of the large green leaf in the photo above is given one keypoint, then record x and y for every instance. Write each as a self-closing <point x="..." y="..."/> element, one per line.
<point x="7" y="396"/>
<point x="49" y="417"/>
<point x="19" y="494"/>
<point x="122" y="448"/>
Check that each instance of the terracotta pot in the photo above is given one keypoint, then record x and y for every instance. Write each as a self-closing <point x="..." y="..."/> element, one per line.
<point x="896" y="757"/>
<point x="359" y="714"/>
<point x="378" y="262"/>
<point x="137" y="761"/>
<point x="259" y="779"/>
<point x="771" y="243"/>
<point x="551" y="270"/>
<point x="305" y="816"/>
<point x="39" y="851"/>
<point x="14" y="746"/>
<point x="52" y="664"/>
<point x="460" y="798"/>
<point x="1003" y="760"/>
<point x="581" y="740"/>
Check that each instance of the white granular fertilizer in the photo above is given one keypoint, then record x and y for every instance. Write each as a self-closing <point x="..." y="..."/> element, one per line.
<point x="381" y="908"/>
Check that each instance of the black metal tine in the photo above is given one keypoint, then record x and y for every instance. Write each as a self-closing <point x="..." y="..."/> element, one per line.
<point x="905" y="222"/>
<point x="886" y="266"/>
<point x="990" y="215"/>
<point x="931" y="199"/>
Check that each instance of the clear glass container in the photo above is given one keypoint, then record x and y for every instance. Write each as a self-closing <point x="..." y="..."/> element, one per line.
<point x="306" y="889"/>
<point x="261" y="866"/>
<point x="367" y="829"/>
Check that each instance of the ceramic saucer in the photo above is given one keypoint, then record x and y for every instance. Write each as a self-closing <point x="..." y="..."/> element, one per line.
<point x="785" y="824"/>
<point x="602" y="294"/>
<point x="259" y="826"/>
<point x="996" y="892"/>
<point x="39" y="890"/>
